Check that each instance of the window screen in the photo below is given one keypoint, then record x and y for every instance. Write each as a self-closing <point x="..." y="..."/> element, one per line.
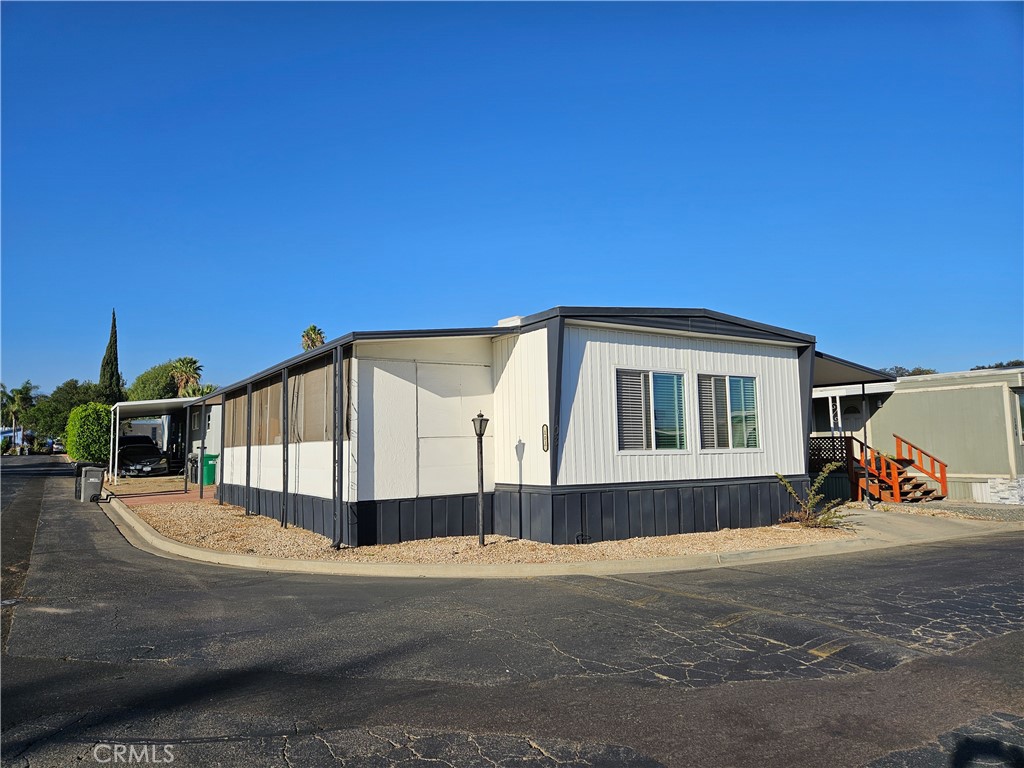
<point x="669" y="419"/>
<point x="311" y="408"/>
<point x="234" y="420"/>
<point x="266" y="412"/>
<point x="728" y="411"/>
<point x="743" y="411"/>
<point x="645" y="400"/>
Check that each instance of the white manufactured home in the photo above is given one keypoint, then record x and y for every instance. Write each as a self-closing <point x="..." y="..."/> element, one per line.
<point x="605" y="423"/>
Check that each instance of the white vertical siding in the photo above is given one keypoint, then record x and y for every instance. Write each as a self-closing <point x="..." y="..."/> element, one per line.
<point x="309" y="469"/>
<point x="234" y="466"/>
<point x="448" y="397"/>
<point x="590" y="451"/>
<point x="267" y="467"/>
<point x="387" y="429"/>
<point x="214" y="416"/>
<point x="414" y="432"/>
<point x="521" y="408"/>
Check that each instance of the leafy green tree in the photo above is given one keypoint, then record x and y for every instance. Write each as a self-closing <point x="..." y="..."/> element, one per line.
<point x="49" y="416"/>
<point x="111" y="383"/>
<point x="89" y="432"/>
<point x="899" y="370"/>
<point x="186" y="372"/>
<point x="312" y="338"/>
<point x="17" y="402"/>
<point x="1007" y="364"/>
<point x="156" y="383"/>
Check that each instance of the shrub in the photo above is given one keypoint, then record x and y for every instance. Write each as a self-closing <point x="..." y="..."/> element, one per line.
<point x="808" y="515"/>
<point x="89" y="432"/>
<point x="5" y="445"/>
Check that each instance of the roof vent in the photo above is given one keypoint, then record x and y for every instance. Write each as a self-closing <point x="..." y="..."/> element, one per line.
<point x="510" y="322"/>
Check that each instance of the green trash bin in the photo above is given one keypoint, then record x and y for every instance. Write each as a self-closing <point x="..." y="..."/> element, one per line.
<point x="210" y="468"/>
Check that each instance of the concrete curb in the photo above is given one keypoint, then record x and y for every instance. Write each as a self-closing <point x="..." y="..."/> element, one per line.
<point x="142" y="536"/>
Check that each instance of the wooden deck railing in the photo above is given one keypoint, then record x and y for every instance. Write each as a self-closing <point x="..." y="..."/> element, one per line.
<point x="875" y="464"/>
<point x="924" y="462"/>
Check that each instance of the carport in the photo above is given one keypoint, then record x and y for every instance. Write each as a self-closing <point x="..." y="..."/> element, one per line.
<point x="143" y="410"/>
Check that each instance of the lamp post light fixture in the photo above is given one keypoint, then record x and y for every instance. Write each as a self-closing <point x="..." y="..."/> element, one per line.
<point x="480" y="426"/>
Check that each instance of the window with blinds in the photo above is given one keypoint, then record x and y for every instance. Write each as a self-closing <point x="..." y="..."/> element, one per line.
<point x="728" y="411"/>
<point x="651" y="410"/>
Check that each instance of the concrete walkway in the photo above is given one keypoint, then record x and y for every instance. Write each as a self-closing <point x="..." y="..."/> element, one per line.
<point x="875" y="529"/>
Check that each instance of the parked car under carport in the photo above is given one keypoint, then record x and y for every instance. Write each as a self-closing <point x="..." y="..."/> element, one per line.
<point x="141" y="460"/>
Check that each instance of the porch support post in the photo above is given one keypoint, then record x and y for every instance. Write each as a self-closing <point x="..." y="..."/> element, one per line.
<point x="336" y="454"/>
<point x="864" y="409"/>
<point x="220" y="461"/>
<point x="111" y="454"/>
<point x="188" y="440"/>
<point x="202" y="449"/>
<point x="284" y="446"/>
<point x="248" y="448"/>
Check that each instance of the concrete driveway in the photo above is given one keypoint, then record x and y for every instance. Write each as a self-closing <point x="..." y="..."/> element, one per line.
<point x="894" y="657"/>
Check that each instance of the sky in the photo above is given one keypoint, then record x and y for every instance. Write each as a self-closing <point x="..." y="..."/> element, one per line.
<point x="225" y="174"/>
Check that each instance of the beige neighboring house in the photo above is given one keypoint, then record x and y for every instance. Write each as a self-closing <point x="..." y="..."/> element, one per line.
<point x="971" y="420"/>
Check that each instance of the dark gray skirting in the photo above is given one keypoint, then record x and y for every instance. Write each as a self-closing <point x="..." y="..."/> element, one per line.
<point x="310" y="512"/>
<point x="560" y="515"/>
<point x="567" y="515"/>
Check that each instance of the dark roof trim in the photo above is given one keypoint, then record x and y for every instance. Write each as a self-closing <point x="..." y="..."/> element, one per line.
<point x="871" y="375"/>
<point x="703" y="321"/>
<point x="678" y="319"/>
<point x="348" y="339"/>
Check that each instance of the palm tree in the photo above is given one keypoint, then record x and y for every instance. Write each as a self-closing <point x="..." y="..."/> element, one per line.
<point x="186" y="372"/>
<point x="18" y="400"/>
<point x="312" y="338"/>
<point x="199" y="390"/>
<point x="5" y="405"/>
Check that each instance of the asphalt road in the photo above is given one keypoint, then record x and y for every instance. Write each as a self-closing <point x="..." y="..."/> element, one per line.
<point x="900" y="657"/>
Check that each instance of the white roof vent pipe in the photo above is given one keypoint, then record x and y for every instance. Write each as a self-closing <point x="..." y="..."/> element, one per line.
<point x="510" y="322"/>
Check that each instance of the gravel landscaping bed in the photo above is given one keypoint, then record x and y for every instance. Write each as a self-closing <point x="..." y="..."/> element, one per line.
<point x="138" y="485"/>
<point x="962" y="510"/>
<point x="226" y="528"/>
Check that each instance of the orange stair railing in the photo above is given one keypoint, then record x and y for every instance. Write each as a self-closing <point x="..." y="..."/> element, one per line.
<point x="935" y="468"/>
<point x="875" y="464"/>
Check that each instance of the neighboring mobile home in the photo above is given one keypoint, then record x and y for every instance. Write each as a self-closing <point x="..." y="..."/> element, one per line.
<point x="971" y="420"/>
<point x="605" y="423"/>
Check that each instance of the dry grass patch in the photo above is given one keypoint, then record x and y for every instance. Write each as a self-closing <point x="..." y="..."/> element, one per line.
<point x="228" y="529"/>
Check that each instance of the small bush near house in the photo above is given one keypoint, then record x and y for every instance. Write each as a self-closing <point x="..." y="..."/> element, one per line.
<point x="89" y="432"/>
<point x="5" y="445"/>
<point x="809" y="515"/>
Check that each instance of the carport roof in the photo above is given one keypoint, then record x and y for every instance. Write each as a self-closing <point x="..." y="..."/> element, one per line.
<point x="138" y="409"/>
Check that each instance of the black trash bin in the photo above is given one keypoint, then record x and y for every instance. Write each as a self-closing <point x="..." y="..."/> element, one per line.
<point x="92" y="484"/>
<point x="79" y="467"/>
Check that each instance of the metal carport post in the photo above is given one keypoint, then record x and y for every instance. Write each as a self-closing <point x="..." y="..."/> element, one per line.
<point x="114" y="440"/>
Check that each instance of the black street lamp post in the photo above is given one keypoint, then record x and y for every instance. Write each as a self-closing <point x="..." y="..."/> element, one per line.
<point x="480" y="426"/>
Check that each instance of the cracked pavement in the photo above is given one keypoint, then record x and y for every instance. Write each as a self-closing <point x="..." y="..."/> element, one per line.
<point x="842" y="660"/>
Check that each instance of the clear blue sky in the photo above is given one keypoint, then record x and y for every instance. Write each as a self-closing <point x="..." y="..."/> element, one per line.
<point x="226" y="174"/>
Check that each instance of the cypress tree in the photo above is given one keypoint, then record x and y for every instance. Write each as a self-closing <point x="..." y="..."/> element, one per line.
<point x="111" y="385"/>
